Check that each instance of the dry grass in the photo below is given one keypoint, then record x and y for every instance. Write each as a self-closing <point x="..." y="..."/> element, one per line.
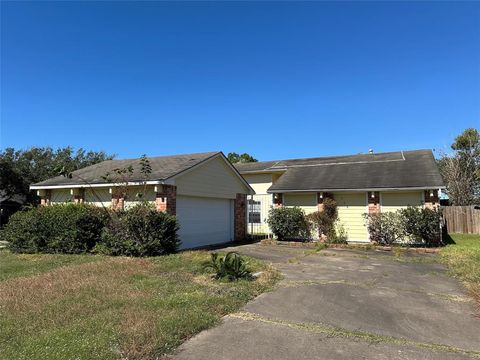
<point x="111" y="308"/>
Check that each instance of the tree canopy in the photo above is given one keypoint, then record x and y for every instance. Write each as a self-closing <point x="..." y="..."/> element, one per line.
<point x="461" y="170"/>
<point x="234" y="158"/>
<point x="20" y="168"/>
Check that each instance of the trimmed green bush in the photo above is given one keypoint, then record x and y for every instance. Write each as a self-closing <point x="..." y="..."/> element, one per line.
<point x="385" y="228"/>
<point x="140" y="231"/>
<point x="413" y="224"/>
<point x="289" y="223"/>
<point x="422" y="224"/>
<point x="68" y="228"/>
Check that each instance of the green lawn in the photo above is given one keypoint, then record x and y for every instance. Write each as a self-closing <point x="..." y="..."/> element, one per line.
<point x="95" y="307"/>
<point x="463" y="258"/>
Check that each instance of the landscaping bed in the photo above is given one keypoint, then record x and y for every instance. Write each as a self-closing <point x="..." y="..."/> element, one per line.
<point x="100" y="307"/>
<point x="368" y="246"/>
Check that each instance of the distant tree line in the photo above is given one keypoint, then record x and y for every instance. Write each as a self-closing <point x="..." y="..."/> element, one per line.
<point x="21" y="168"/>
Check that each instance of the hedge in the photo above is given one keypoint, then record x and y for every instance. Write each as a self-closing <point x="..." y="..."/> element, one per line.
<point x="79" y="228"/>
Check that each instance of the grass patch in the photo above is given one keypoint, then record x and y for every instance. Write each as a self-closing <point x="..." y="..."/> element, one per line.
<point x="95" y="307"/>
<point x="463" y="259"/>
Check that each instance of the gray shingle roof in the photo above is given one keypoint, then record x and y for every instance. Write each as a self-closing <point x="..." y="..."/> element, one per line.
<point x="407" y="169"/>
<point x="163" y="167"/>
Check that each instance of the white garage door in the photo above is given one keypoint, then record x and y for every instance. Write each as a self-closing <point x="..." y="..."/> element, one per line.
<point x="204" y="221"/>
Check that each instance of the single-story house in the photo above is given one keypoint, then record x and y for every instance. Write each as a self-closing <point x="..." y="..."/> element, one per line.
<point x="363" y="183"/>
<point x="204" y="191"/>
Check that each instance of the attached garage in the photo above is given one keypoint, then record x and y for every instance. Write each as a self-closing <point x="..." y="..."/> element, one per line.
<point x="351" y="209"/>
<point x="204" y="191"/>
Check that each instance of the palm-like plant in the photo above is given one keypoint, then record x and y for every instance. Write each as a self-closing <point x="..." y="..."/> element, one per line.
<point x="231" y="266"/>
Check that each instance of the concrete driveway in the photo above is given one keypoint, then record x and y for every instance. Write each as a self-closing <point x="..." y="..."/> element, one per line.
<point x="347" y="304"/>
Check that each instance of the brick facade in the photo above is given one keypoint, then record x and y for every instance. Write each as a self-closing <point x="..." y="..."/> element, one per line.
<point x="45" y="197"/>
<point x="240" y="217"/>
<point x="277" y="200"/>
<point x="118" y="202"/>
<point x="320" y="197"/>
<point x="431" y="199"/>
<point x="373" y="202"/>
<point x="79" y="197"/>
<point x="167" y="199"/>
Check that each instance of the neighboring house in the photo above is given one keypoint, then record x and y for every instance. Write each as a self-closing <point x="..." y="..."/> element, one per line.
<point x="204" y="190"/>
<point x="365" y="183"/>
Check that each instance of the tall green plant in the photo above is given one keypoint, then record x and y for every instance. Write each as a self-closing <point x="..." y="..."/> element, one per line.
<point x="289" y="223"/>
<point x="231" y="266"/>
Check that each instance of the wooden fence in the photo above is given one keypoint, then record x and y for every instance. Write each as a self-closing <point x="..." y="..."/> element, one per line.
<point x="462" y="219"/>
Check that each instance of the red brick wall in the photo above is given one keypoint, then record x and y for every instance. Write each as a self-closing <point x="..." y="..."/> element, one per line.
<point x="45" y="199"/>
<point x="240" y="217"/>
<point x="167" y="199"/>
<point x="118" y="202"/>
<point x="277" y="200"/>
<point x="431" y="201"/>
<point x="373" y="202"/>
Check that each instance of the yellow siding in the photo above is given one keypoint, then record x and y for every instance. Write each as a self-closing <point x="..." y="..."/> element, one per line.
<point x="259" y="182"/>
<point x="98" y="197"/>
<point x="212" y="179"/>
<point x="393" y="201"/>
<point x="306" y="201"/>
<point x="60" y="196"/>
<point x="351" y="210"/>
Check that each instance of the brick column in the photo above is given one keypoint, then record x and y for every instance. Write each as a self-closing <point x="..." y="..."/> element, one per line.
<point x="79" y="196"/>
<point x="118" y="202"/>
<point x="166" y="200"/>
<point x="373" y="202"/>
<point x="45" y="196"/>
<point x="431" y="199"/>
<point x="240" y="217"/>
<point x="322" y="196"/>
<point x="277" y="200"/>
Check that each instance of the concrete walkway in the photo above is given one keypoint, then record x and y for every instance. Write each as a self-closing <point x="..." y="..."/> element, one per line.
<point x="347" y="304"/>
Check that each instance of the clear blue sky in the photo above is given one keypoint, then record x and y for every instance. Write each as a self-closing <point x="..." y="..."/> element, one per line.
<point x="276" y="80"/>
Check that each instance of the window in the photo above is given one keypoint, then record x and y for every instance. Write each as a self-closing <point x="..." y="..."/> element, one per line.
<point x="254" y="213"/>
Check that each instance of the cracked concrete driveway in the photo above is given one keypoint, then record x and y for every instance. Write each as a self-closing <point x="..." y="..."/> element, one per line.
<point x="347" y="304"/>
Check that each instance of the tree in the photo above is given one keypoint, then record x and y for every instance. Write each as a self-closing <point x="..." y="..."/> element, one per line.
<point x="243" y="158"/>
<point x="461" y="170"/>
<point x="20" y="168"/>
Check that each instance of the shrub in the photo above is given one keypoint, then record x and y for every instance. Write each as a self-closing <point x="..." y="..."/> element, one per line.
<point x="422" y="224"/>
<point x="21" y="232"/>
<point x="324" y="221"/>
<point x="231" y="266"/>
<point x="339" y="235"/>
<point x="288" y="223"/>
<point x="140" y="231"/>
<point x="68" y="228"/>
<point x="385" y="228"/>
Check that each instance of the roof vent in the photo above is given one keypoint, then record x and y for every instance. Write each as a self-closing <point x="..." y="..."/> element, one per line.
<point x="370" y="151"/>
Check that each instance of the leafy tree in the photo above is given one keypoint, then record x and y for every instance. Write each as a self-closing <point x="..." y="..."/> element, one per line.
<point x="243" y="158"/>
<point x="20" y="168"/>
<point x="461" y="171"/>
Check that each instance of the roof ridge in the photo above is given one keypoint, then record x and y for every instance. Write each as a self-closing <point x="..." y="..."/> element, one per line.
<point x="341" y="156"/>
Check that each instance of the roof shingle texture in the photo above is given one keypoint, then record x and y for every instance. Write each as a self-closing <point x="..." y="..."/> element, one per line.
<point x="407" y="169"/>
<point x="163" y="167"/>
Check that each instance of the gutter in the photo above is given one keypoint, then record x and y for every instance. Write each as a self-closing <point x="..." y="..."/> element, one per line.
<point x="354" y="190"/>
<point x="77" y="186"/>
